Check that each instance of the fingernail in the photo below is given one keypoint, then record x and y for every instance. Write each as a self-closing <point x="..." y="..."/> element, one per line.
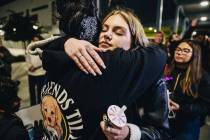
<point x="103" y="65"/>
<point x="86" y="72"/>
<point x="99" y="72"/>
<point x="94" y="74"/>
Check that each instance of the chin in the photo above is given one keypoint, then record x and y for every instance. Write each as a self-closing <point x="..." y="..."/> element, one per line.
<point x="179" y="60"/>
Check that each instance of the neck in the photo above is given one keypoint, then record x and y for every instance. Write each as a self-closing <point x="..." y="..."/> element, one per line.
<point x="182" y="66"/>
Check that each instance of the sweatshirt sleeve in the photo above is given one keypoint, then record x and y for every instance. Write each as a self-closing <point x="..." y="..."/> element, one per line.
<point x="143" y="133"/>
<point x="135" y="71"/>
<point x="57" y="45"/>
<point x="135" y="132"/>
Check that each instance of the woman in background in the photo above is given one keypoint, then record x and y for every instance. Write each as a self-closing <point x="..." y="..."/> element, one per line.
<point x="190" y="88"/>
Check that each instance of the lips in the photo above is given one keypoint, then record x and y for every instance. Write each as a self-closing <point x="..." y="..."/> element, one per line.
<point x="104" y="44"/>
<point x="179" y="57"/>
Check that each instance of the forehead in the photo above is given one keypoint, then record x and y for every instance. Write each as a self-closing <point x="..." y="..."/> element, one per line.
<point x="159" y="34"/>
<point x="116" y="20"/>
<point x="175" y="35"/>
<point x="184" y="45"/>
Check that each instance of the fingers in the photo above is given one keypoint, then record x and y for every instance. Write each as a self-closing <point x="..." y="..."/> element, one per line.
<point x="102" y="124"/>
<point x="173" y="105"/>
<point x="84" y="55"/>
<point x="98" y="49"/>
<point x="91" y="62"/>
<point x="85" y="63"/>
<point x="76" y="60"/>
<point x="95" y="55"/>
<point x="103" y="127"/>
<point x="114" y="133"/>
<point x="113" y="130"/>
<point x="110" y="49"/>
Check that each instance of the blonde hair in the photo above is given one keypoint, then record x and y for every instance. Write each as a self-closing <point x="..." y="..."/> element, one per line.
<point x="139" y="38"/>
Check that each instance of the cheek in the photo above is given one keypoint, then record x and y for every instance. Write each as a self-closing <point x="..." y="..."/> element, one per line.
<point x="188" y="58"/>
<point x="100" y="36"/>
<point x="122" y="42"/>
<point x="177" y="59"/>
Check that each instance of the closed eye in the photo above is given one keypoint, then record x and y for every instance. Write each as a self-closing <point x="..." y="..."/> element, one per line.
<point x="104" y="28"/>
<point x="119" y="30"/>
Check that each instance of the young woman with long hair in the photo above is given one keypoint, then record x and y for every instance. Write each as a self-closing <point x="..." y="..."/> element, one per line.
<point x="190" y="89"/>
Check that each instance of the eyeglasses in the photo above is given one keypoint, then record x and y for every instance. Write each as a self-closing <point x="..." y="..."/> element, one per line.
<point x="184" y="51"/>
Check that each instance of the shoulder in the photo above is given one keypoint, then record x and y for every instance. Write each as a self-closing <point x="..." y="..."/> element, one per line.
<point x="149" y="55"/>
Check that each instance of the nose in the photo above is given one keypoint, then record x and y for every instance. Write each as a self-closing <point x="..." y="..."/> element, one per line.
<point x="108" y="35"/>
<point x="178" y="52"/>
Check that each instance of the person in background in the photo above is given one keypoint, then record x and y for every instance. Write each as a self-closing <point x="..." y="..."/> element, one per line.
<point x="35" y="75"/>
<point x="202" y="38"/>
<point x="11" y="126"/>
<point x="172" y="42"/>
<point x="159" y="39"/>
<point x="189" y="85"/>
<point x="6" y="60"/>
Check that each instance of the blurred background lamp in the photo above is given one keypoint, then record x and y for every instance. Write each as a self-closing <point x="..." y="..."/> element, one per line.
<point x="150" y="28"/>
<point x="14" y="29"/>
<point x="1" y="32"/>
<point x="204" y="3"/>
<point x="194" y="33"/>
<point x="155" y="30"/>
<point x="35" y="27"/>
<point x="203" y="18"/>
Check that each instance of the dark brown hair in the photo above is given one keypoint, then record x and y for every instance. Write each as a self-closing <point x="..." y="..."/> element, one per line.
<point x="72" y="11"/>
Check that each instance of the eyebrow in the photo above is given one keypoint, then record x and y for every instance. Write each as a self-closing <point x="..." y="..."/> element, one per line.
<point x="183" y="48"/>
<point x="118" y="27"/>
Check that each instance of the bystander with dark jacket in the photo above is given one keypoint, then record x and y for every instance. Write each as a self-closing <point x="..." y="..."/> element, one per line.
<point x="6" y="60"/>
<point x="11" y="126"/>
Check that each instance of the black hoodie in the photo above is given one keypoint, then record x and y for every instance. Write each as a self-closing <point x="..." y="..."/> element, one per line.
<point x="73" y="103"/>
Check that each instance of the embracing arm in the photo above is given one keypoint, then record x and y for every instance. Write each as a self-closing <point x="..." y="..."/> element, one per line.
<point x="154" y="122"/>
<point x="137" y="71"/>
<point x="84" y="55"/>
<point x="133" y="71"/>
